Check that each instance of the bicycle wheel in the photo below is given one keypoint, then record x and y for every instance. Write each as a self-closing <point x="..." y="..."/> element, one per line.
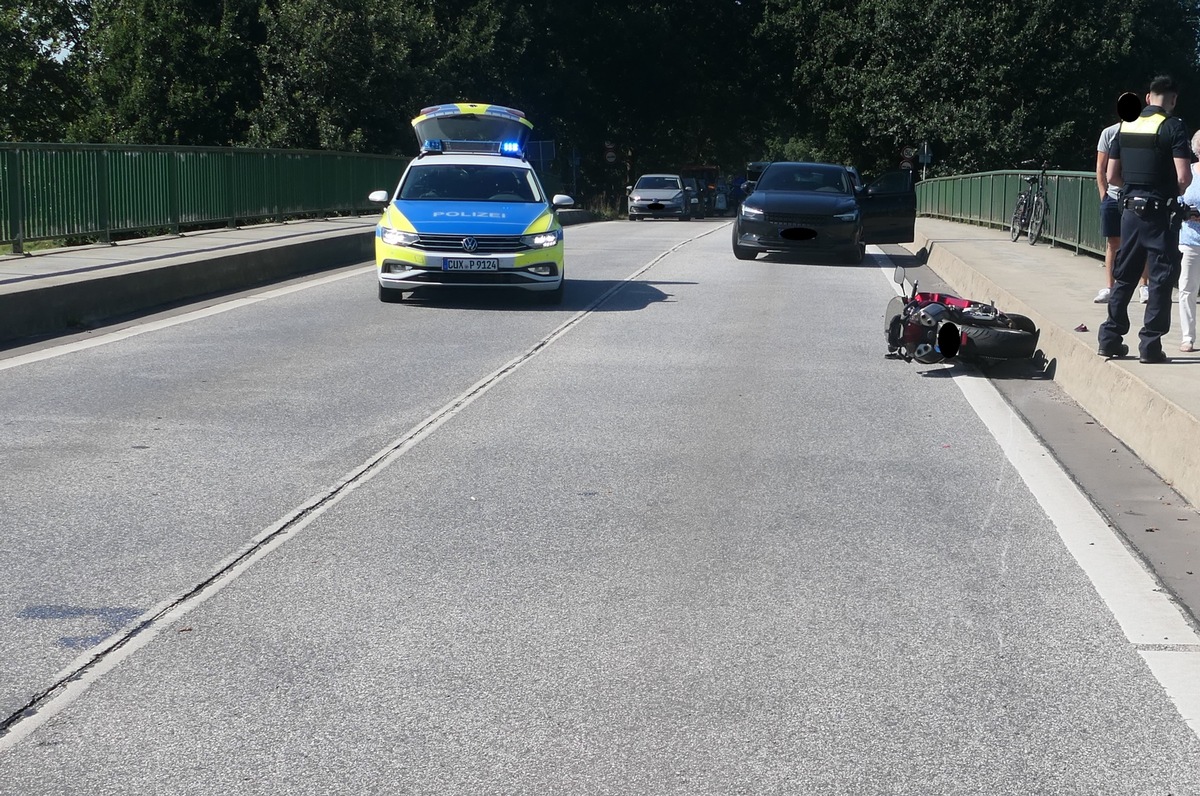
<point x="1018" y="218"/>
<point x="1037" y="218"/>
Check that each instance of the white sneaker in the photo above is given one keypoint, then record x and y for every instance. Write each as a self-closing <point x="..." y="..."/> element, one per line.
<point x="1102" y="296"/>
<point x="1144" y="292"/>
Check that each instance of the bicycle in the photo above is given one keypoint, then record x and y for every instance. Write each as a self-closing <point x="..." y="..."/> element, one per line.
<point x="1029" y="214"/>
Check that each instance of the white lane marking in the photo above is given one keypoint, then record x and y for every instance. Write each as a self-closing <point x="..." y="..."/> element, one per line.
<point x="93" y="664"/>
<point x="1179" y="673"/>
<point x="175" y="320"/>
<point x="1144" y="610"/>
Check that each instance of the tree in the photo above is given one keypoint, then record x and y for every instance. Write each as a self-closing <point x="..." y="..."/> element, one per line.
<point x="171" y="71"/>
<point x="341" y="74"/>
<point x="988" y="84"/>
<point x="40" y="50"/>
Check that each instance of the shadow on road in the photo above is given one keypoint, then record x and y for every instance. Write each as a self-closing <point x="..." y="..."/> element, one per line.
<point x="580" y="294"/>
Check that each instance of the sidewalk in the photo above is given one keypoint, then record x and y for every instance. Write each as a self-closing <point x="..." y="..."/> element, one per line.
<point x="1153" y="409"/>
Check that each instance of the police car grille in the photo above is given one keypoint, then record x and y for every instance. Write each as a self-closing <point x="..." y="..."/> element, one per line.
<point x="488" y="244"/>
<point x="795" y="219"/>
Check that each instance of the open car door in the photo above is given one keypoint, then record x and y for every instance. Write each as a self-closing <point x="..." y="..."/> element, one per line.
<point x="889" y="208"/>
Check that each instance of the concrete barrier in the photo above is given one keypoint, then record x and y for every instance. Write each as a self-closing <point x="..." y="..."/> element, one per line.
<point x="53" y="304"/>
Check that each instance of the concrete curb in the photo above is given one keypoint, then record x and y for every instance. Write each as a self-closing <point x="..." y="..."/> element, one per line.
<point x="58" y="303"/>
<point x="1163" y="434"/>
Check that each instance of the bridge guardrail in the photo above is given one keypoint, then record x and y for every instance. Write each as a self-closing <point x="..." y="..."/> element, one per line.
<point x="52" y="191"/>
<point x="987" y="199"/>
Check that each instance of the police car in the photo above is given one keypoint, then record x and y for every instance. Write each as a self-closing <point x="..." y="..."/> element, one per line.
<point x="469" y="210"/>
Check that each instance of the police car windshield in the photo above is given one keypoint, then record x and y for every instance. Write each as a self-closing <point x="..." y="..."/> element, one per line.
<point x="787" y="177"/>
<point x="450" y="182"/>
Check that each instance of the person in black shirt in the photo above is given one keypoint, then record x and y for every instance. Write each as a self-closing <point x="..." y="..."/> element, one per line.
<point x="1151" y="162"/>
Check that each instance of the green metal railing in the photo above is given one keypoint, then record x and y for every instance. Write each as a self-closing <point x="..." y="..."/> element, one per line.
<point x="988" y="198"/>
<point x="95" y="190"/>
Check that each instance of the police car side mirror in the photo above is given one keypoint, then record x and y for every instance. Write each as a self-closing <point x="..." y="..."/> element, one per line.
<point x="561" y="200"/>
<point x="379" y="197"/>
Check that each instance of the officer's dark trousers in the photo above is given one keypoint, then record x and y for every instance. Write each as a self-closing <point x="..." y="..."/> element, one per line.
<point x="1151" y="238"/>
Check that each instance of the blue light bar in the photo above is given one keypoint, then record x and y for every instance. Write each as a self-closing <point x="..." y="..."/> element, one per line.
<point x="510" y="148"/>
<point x="431" y="145"/>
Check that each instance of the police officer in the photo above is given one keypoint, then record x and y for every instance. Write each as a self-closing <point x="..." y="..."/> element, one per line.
<point x="1151" y="160"/>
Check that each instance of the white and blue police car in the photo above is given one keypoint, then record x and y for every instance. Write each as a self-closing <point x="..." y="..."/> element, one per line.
<point x="469" y="210"/>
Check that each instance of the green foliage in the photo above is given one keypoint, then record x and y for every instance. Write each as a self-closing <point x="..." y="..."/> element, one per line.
<point x="170" y="71"/>
<point x="669" y="82"/>
<point x="340" y="74"/>
<point x="39" y="55"/>
<point x="986" y="84"/>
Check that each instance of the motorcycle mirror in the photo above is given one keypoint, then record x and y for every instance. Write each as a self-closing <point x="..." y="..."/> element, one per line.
<point x="898" y="275"/>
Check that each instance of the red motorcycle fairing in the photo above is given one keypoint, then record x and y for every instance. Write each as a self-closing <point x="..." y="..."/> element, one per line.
<point x="948" y="299"/>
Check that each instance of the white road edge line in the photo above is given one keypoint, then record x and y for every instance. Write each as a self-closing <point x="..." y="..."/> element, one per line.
<point x="1142" y="607"/>
<point x="93" y="664"/>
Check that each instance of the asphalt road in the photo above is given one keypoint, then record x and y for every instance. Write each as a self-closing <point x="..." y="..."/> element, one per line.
<point x="697" y="537"/>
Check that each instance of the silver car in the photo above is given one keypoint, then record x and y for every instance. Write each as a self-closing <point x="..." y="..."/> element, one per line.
<point x="659" y="196"/>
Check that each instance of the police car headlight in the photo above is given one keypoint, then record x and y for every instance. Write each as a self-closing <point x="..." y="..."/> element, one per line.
<point x="396" y="237"/>
<point x="542" y="240"/>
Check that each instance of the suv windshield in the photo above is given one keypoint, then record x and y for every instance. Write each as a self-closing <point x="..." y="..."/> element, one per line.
<point x="657" y="183"/>
<point x="470" y="183"/>
<point x="787" y="177"/>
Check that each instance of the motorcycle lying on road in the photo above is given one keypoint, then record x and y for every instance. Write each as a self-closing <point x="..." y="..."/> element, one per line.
<point x="935" y="327"/>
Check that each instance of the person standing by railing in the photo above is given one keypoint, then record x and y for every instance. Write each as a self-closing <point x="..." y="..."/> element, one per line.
<point x="1152" y="159"/>
<point x="1129" y="105"/>
<point x="1189" y="247"/>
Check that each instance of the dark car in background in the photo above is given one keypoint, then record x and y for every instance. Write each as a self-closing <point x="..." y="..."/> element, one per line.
<point x="754" y="169"/>
<point x="817" y="209"/>
<point x="706" y="178"/>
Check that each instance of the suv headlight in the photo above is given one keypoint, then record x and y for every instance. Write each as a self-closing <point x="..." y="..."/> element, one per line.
<point x="395" y="237"/>
<point x="851" y="216"/>
<point x="542" y="240"/>
<point x="752" y="213"/>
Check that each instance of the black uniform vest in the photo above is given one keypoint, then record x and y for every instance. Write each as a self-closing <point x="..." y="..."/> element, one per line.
<point x="1145" y="161"/>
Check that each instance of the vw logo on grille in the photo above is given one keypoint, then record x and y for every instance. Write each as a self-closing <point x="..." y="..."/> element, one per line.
<point x="470" y="244"/>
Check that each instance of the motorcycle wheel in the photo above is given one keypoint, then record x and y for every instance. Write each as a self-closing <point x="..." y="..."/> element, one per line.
<point x="1023" y="323"/>
<point x="990" y="343"/>
<point x="893" y="329"/>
